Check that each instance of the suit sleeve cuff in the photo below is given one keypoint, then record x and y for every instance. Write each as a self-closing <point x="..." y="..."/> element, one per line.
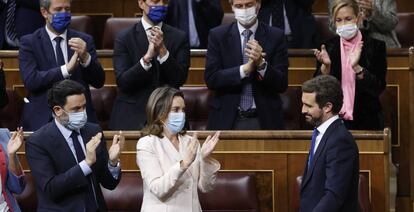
<point x="85" y="168"/>
<point x="163" y="59"/>
<point x="263" y="70"/>
<point x="146" y="67"/>
<point x="86" y="64"/>
<point x="64" y="71"/>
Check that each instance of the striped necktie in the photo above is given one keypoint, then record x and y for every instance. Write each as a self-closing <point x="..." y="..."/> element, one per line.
<point x="10" y="23"/>
<point x="246" y="99"/>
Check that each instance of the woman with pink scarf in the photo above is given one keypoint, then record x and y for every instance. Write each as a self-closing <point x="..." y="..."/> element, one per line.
<point x="359" y="63"/>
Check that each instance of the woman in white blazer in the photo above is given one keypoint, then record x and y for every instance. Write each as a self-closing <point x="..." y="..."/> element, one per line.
<point x="172" y="163"/>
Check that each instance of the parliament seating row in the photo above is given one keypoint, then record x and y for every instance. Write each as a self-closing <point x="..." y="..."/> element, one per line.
<point x="404" y="29"/>
<point x="234" y="191"/>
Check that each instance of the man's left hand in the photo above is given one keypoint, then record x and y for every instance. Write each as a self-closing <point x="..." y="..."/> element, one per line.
<point x="78" y="45"/>
<point x="254" y="52"/>
<point x="116" y="148"/>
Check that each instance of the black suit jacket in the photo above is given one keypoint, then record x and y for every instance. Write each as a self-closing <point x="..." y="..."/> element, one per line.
<point x="134" y="83"/>
<point x="207" y="15"/>
<point x="39" y="71"/>
<point x="330" y="183"/>
<point x="301" y="21"/>
<point x="367" y="108"/>
<point x="60" y="182"/>
<point x="28" y="18"/>
<point x="222" y="75"/>
<point x="4" y="99"/>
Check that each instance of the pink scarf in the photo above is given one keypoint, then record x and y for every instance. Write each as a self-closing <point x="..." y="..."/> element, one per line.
<point x="348" y="76"/>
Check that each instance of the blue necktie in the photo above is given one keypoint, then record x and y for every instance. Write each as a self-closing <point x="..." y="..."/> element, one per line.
<point x="60" y="60"/>
<point x="246" y="99"/>
<point x="312" y="149"/>
<point x="10" y="22"/>
<point x="90" y="201"/>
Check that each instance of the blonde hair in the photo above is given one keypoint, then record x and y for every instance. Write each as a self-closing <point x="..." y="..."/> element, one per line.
<point x="158" y="107"/>
<point x="339" y="4"/>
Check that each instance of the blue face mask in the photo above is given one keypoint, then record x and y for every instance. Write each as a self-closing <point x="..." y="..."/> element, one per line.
<point x="60" y="21"/>
<point x="157" y="13"/>
<point x="76" y="120"/>
<point x="176" y="122"/>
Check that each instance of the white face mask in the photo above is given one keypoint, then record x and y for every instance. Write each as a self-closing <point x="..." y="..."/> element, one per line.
<point x="347" y="31"/>
<point x="75" y="120"/>
<point x="245" y="16"/>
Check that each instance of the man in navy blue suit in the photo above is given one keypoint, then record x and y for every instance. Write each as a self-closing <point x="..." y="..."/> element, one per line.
<point x="68" y="156"/>
<point x="196" y="18"/>
<point x="51" y="54"/>
<point x="330" y="179"/>
<point x="247" y="68"/>
<point x="25" y="19"/>
<point x="295" y="18"/>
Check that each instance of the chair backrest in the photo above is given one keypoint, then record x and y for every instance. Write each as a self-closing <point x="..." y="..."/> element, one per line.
<point x="228" y="18"/>
<point x="233" y="191"/>
<point x="27" y="199"/>
<point x="82" y="23"/>
<point x="11" y="113"/>
<point x="197" y="106"/>
<point x="292" y="109"/>
<point x="112" y="27"/>
<point x="405" y="29"/>
<point x="103" y="101"/>
<point x="322" y="24"/>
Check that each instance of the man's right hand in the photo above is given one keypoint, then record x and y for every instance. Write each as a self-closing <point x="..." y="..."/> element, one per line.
<point x="249" y="67"/>
<point x="91" y="146"/>
<point x="151" y="52"/>
<point x="73" y="63"/>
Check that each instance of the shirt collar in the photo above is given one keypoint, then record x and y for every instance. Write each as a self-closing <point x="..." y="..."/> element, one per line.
<point x="52" y="35"/>
<point x="252" y="28"/>
<point x="147" y="25"/>
<point x="324" y="126"/>
<point x="65" y="131"/>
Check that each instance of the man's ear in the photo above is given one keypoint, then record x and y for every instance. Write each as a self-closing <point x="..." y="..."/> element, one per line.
<point x="328" y="108"/>
<point x="44" y="12"/>
<point x="57" y="110"/>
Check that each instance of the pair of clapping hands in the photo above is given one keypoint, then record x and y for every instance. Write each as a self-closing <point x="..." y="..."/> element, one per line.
<point x="192" y="148"/>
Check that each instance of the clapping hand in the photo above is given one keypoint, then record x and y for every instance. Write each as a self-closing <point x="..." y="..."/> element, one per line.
<point x="209" y="145"/>
<point x="15" y="141"/>
<point x="191" y="152"/>
<point x="91" y="149"/>
<point x="116" y="148"/>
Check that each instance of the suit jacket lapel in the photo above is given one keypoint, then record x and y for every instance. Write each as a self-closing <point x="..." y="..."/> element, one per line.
<point x="141" y="38"/>
<point x="319" y="150"/>
<point x="69" y="35"/>
<point x="234" y="44"/>
<point x="261" y="35"/>
<point x="60" y="144"/>
<point x="47" y="48"/>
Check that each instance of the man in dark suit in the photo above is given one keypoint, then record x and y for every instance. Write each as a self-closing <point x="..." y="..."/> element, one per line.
<point x="294" y="18"/>
<point x="196" y="18"/>
<point x="24" y="19"/>
<point x="54" y="53"/>
<point x="246" y="67"/>
<point x="330" y="179"/>
<point x="68" y="156"/>
<point x="146" y="56"/>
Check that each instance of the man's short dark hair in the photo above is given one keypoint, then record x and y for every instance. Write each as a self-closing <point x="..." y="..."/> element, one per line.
<point x="327" y="89"/>
<point x="56" y="96"/>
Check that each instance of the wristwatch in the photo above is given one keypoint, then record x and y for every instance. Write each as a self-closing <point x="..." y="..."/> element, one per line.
<point x="360" y="72"/>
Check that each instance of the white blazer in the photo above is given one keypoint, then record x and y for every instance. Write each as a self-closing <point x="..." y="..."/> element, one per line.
<point x="166" y="186"/>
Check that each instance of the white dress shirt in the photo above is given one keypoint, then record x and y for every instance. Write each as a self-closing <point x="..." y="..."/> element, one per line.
<point x="322" y="129"/>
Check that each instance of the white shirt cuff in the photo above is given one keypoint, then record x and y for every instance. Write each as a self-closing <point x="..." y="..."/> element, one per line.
<point x="115" y="170"/>
<point x="87" y="61"/>
<point x="163" y="59"/>
<point x="146" y="67"/>
<point x="64" y="71"/>
<point x="242" y="74"/>
<point x="85" y="168"/>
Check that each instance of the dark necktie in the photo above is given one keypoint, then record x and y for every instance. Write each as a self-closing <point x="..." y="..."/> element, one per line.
<point x="313" y="143"/>
<point x="10" y="22"/>
<point x="90" y="201"/>
<point x="278" y="18"/>
<point x="60" y="60"/>
<point x="246" y="99"/>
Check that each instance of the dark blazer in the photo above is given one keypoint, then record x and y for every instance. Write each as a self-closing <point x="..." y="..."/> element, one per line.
<point x="4" y="99"/>
<point x="39" y="71"/>
<point x="367" y="108"/>
<point x="60" y="182"/>
<point x="301" y="21"/>
<point x="222" y="75"/>
<point x="331" y="181"/>
<point x="134" y="83"/>
<point x="28" y="18"/>
<point x="207" y="15"/>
